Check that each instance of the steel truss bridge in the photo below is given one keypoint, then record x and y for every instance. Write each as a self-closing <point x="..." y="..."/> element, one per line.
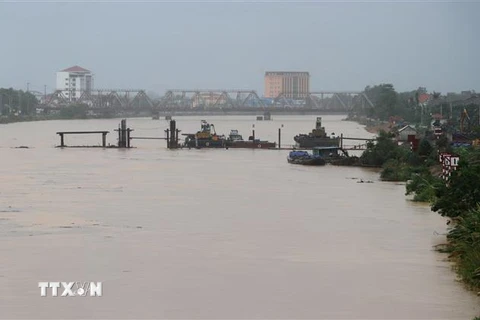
<point x="120" y="99"/>
<point x="209" y="99"/>
<point x="328" y="100"/>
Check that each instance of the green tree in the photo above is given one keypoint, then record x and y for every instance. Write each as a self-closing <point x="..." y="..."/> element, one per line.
<point x="424" y="186"/>
<point x="424" y="148"/>
<point x="17" y="101"/>
<point x="463" y="190"/>
<point x="395" y="170"/>
<point x="74" y="111"/>
<point x="465" y="246"/>
<point x="384" y="148"/>
<point x="385" y="98"/>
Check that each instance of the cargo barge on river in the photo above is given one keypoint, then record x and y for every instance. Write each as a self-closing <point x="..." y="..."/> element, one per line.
<point x="235" y="140"/>
<point x="205" y="138"/>
<point x="317" y="138"/>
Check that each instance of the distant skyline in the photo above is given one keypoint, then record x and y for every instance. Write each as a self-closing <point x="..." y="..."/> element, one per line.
<point x="222" y="45"/>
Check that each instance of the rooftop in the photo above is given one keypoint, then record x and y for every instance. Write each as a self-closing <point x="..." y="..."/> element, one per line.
<point x="407" y="127"/>
<point x="75" y="69"/>
<point x="423" y="98"/>
<point x="286" y="73"/>
<point x="327" y="148"/>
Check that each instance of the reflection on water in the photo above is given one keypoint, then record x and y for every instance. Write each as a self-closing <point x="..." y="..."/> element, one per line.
<point x="212" y="233"/>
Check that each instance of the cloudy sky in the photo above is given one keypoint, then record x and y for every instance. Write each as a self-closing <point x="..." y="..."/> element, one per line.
<point x="166" y="45"/>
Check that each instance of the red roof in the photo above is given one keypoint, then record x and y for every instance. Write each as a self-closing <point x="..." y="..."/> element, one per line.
<point x="423" y="98"/>
<point x="75" y="69"/>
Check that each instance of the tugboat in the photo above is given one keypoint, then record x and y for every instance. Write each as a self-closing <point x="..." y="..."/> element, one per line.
<point x="305" y="158"/>
<point x="317" y="138"/>
<point x="205" y="138"/>
<point x="235" y="140"/>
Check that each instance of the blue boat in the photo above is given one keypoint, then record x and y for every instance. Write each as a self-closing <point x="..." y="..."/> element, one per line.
<point x="305" y="158"/>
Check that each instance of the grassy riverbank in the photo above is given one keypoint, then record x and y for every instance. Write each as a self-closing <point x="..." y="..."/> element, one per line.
<point x="458" y="200"/>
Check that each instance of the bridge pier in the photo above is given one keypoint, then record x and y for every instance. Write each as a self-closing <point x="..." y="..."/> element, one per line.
<point x="124" y="134"/>
<point x="172" y="135"/>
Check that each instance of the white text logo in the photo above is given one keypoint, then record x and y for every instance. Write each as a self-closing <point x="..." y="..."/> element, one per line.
<point x="71" y="289"/>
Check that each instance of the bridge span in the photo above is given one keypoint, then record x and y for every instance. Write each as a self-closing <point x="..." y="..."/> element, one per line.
<point x="209" y="99"/>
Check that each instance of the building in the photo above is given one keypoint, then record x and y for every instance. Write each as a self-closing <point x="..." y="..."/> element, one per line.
<point x="423" y="99"/>
<point x="74" y="81"/>
<point x="293" y="85"/>
<point x="406" y="131"/>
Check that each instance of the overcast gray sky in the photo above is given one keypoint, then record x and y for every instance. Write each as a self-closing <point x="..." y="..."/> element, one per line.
<point x="157" y="46"/>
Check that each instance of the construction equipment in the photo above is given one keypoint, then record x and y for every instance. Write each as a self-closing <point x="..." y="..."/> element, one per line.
<point x="462" y="120"/>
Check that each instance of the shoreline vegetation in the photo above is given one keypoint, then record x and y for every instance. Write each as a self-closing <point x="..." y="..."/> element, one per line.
<point x="456" y="199"/>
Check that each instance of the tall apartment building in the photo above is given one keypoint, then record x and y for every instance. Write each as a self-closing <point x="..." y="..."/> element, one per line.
<point x="74" y="81"/>
<point x="293" y="85"/>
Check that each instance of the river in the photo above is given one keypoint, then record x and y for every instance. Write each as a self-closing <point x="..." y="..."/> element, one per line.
<point x="212" y="233"/>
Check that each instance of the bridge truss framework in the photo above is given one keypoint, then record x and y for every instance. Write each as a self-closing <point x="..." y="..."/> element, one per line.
<point x="211" y="99"/>
<point x="122" y="99"/>
<point x="328" y="100"/>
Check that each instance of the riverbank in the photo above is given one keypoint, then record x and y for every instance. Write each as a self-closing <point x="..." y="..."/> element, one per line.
<point x="372" y="126"/>
<point x="376" y="128"/>
<point x="175" y="113"/>
<point x="457" y="200"/>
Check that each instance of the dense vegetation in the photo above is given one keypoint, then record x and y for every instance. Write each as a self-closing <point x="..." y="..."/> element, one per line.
<point x="459" y="199"/>
<point x="399" y="163"/>
<point x="74" y="111"/>
<point x="411" y="106"/>
<point x="17" y="102"/>
<point x="385" y="148"/>
<point x="18" y="105"/>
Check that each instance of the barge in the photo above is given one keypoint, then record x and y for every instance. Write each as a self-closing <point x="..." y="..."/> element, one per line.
<point x="317" y="138"/>
<point x="235" y="140"/>
<point x="305" y="158"/>
<point x="205" y="138"/>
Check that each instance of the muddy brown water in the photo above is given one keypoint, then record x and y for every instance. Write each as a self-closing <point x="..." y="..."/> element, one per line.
<point x="212" y="233"/>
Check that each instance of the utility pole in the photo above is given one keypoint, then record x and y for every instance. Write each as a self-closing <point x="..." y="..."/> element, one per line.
<point x="45" y="94"/>
<point x="28" y="98"/>
<point x="421" y="115"/>
<point x="19" y="110"/>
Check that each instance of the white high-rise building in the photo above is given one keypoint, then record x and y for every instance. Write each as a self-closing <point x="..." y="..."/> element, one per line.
<point x="74" y="81"/>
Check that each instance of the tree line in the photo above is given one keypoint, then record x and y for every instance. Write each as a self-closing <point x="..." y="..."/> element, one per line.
<point x="411" y="106"/>
<point x="17" y="102"/>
